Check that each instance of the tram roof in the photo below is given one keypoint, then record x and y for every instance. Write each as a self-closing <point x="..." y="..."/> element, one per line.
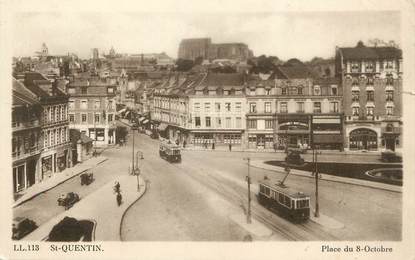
<point x="293" y="193"/>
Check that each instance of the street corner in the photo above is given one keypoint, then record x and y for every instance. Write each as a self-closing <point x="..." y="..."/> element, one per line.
<point x="326" y="221"/>
<point x="258" y="230"/>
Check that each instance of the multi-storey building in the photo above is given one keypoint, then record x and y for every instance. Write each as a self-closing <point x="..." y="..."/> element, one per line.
<point x="217" y="107"/>
<point x="170" y="108"/>
<point x="372" y="83"/>
<point x="26" y="137"/>
<point x="92" y="109"/>
<point x="56" y="152"/>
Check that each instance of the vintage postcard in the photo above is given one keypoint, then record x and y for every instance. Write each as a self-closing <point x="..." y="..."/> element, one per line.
<point x="207" y="130"/>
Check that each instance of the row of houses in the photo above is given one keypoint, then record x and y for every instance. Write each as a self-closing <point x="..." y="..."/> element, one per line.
<point x="359" y="109"/>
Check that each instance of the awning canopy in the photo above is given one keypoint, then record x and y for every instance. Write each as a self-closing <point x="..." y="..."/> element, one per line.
<point x="327" y="139"/>
<point x="141" y="119"/>
<point x="146" y="121"/>
<point x="162" y="126"/>
<point x="122" y="110"/>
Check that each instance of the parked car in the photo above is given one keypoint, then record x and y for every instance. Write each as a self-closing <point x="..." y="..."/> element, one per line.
<point x="22" y="226"/>
<point x="71" y="229"/>
<point x="390" y="156"/>
<point x="294" y="157"/>
<point x="67" y="200"/>
<point x="87" y="178"/>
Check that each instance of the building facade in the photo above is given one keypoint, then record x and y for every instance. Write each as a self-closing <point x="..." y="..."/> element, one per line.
<point x="217" y="108"/>
<point x="92" y="109"/>
<point x="56" y="151"/>
<point x="26" y="137"/>
<point x="191" y="49"/>
<point x="372" y="83"/>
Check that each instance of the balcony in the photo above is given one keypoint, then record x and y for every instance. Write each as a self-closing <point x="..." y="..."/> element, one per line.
<point x="17" y="126"/>
<point x="25" y="153"/>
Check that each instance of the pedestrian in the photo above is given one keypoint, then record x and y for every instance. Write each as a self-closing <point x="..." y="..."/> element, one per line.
<point x="230" y="147"/>
<point x="213" y="146"/>
<point x="275" y="147"/>
<point x="206" y="143"/>
<point x="119" y="198"/>
<point x="184" y="144"/>
<point x="117" y="187"/>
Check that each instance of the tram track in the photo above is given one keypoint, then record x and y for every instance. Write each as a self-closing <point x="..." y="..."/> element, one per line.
<point x="236" y="195"/>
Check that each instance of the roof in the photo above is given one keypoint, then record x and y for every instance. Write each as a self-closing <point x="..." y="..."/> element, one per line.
<point x="22" y="96"/>
<point x="293" y="72"/>
<point x="362" y="52"/>
<point x="223" y="79"/>
<point x="286" y="190"/>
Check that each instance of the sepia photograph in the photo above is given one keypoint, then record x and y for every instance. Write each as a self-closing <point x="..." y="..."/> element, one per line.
<point x="268" y="126"/>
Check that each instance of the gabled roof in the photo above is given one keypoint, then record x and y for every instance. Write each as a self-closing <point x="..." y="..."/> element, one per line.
<point x="293" y="72"/>
<point x="224" y="79"/>
<point x="22" y="96"/>
<point x="362" y="52"/>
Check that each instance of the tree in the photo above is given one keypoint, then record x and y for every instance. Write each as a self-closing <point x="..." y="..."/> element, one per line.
<point x="184" y="65"/>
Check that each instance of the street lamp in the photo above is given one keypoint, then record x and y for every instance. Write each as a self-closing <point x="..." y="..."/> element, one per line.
<point x="315" y="172"/>
<point x="248" y="179"/>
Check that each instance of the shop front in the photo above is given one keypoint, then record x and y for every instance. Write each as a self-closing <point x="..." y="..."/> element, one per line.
<point x="214" y="140"/>
<point x="260" y="141"/>
<point x="327" y="132"/>
<point x="363" y="139"/>
<point x="47" y="166"/>
<point x="293" y="132"/>
<point x="61" y="160"/>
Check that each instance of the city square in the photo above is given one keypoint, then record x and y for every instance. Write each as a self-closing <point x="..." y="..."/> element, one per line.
<point x="220" y="142"/>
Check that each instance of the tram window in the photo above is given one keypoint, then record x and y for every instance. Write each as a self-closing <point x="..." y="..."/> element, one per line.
<point x="280" y="198"/>
<point x="267" y="191"/>
<point x="302" y="204"/>
<point x="287" y="202"/>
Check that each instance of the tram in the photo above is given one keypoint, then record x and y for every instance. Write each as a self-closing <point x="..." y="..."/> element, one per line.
<point x="291" y="204"/>
<point x="170" y="152"/>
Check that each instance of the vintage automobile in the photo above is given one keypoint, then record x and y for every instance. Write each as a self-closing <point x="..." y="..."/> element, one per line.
<point x="67" y="200"/>
<point x="22" y="226"/>
<point x="87" y="178"/>
<point x="294" y="157"/>
<point x="71" y="229"/>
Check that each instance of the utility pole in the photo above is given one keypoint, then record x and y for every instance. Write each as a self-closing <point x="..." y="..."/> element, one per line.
<point x="316" y="213"/>
<point x="95" y="136"/>
<point x="248" y="179"/>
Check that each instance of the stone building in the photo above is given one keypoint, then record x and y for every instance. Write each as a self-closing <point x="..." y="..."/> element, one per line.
<point x="26" y="137"/>
<point x="56" y="152"/>
<point x="92" y="109"/>
<point x="372" y="97"/>
<point x="191" y="49"/>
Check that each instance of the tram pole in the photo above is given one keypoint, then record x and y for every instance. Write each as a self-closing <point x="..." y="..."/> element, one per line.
<point x="316" y="213"/>
<point x="248" y="179"/>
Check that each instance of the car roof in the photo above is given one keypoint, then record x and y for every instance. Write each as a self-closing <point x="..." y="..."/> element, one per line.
<point x="285" y="190"/>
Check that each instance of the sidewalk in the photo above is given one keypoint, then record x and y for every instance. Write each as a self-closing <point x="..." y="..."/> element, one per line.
<point x="325" y="177"/>
<point x="100" y="206"/>
<point x="57" y="179"/>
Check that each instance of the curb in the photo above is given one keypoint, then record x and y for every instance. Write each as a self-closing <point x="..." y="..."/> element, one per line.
<point x="129" y="206"/>
<point x="57" y="184"/>
<point x="301" y="174"/>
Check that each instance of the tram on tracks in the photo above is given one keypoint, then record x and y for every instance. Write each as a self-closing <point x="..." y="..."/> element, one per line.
<point x="170" y="152"/>
<point x="289" y="203"/>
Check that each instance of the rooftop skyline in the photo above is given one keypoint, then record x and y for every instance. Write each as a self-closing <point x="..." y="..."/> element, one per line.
<point x="285" y="35"/>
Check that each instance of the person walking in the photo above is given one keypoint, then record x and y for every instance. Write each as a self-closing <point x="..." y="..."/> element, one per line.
<point x="213" y="146"/>
<point x="117" y="187"/>
<point x="184" y="144"/>
<point x="230" y="147"/>
<point x="119" y="198"/>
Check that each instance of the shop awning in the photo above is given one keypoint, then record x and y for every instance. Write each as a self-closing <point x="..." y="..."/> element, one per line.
<point x="127" y="113"/>
<point x="122" y="110"/>
<point x="141" y="119"/>
<point x="162" y="126"/>
<point x="146" y="121"/>
<point x="327" y="139"/>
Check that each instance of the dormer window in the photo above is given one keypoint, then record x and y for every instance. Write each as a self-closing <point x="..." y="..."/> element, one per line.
<point x="369" y="67"/>
<point x="355" y="66"/>
<point x="300" y="90"/>
<point x="110" y="90"/>
<point x="333" y="90"/>
<point x="284" y="91"/>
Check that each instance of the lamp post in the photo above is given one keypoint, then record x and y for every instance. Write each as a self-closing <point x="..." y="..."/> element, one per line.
<point x="315" y="171"/>
<point x="248" y="180"/>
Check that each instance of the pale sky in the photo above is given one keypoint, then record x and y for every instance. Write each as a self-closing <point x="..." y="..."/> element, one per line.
<point x="286" y="35"/>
